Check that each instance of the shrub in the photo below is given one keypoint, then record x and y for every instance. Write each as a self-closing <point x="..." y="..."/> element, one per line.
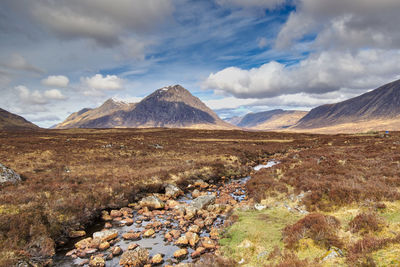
<point x="365" y="223"/>
<point x="321" y="228"/>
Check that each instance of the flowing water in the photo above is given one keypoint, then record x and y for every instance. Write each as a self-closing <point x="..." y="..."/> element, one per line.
<point x="158" y="244"/>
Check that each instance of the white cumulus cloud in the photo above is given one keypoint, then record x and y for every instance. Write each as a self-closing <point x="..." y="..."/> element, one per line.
<point x="56" y="81"/>
<point x="319" y="73"/>
<point x="265" y="4"/>
<point x="36" y="97"/>
<point x="100" y="82"/>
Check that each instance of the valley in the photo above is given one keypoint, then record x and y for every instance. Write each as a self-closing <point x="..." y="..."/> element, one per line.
<point x="72" y="178"/>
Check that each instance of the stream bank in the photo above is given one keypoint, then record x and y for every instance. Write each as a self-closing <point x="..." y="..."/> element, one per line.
<point x="161" y="229"/>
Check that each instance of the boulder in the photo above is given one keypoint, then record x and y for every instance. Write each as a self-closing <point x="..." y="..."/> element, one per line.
<point x="182" y="241"/>
<point x="105" y="235"/>
<point x="172" y="191"/>
<point x="116" y="251"/>
<point x="97" y="262"/>
<point x="202" y="202"/>
<point x="104" y="245"/>
<point x="75" y="234"/>
<point x="157" y="259"/>
<point x="152" y="202"/>
<point x="181" y="253"/>
<point x="190" y="212"/>
<point x="131" y="236"/>
<point x="195" y="193"/>
<point x="84" y="243"/>
<point x="149" y="233"/>
<point x="134" y="258"/>
<point x="8" y="175"/>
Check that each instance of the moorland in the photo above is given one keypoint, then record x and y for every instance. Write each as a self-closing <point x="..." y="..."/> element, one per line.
<point x="328" y="192"/>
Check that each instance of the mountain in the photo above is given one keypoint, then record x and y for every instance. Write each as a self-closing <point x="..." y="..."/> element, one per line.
<point x="269" y="120"/>
<point x="234" y="120"/>
<point x="378" y="109"/>
<point x="172" y="106"/>
<point x="10" y="121"/>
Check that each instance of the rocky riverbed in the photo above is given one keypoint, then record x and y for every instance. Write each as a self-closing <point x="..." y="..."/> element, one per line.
<point x="177" y="226"/>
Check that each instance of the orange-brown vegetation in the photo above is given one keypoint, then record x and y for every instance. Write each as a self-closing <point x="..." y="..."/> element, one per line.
<point x="320" y="228"/>
<point x="71" y="175"/>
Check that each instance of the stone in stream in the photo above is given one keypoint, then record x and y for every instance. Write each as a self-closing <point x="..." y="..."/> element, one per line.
<point x="157" y="259"/>
<point x="132" y="246"/>
<point x="181" y="253"/>
<point x="193" y="238"/>
<point x="195" y="193"/>
<point x="97" y="261"/>
<point x="207" y="243"/>
<point x="152" y="202"/>
<point x="84" y="243"/>
<point x="198" y="252"/>
<point x="74" y="234"/>
<point x="182" y="241"/>
<point x="8" y="175"/>
<point x="116" y="251"/>
<point x="172" y="191"/>
<point x="201" y="184"/>
<point x="149" y="233"/>
<point x="134" y="258"/>
<point x="104" y="246"/>
<point x="194" y="228"/>
<point x="190" y="212"/>
<point x="131" y="236"/>
<point x="105" y="235"/>
<point x="106" y="216"/>
<point x="116" y="213"/>
<point x="202" y="202"/>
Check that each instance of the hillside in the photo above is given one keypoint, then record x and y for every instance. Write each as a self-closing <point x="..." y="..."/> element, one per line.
<point x="377" y="110"/>
<point x="172" y="106"/>
<point x="10" y="121"/>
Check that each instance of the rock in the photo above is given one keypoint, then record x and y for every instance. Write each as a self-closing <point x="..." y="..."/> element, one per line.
<point x="134" y="258"/>
<point x="97" y="262"/>
<point x="194" y="228"/>
<point x="8" y="175"/>
<point x="84" y="243"/>
<point x="105" y="235"/>
<point x="207" y="243"/>
<point x="107" y="225"/>
<point x="201" y="184"/>
<point x="195" y="193"/>
<point x="202" y="202"/>
<point x="106" y="216"/>
<point x="214" y="233"/>
<point x="181" y="253"/>
<point x="182" y="241"/>
<point x="199" y="223"/>
<point x="175" y="233"/>
<point x="172" y="191"/>
<point x="190" y="212"/>
<point x="157" y="259"/>
<point x="193" y="238"/>
<point x="246" y="244"/>
<point x="131" y="236"/>
<point x="70" y="253"/>
<point x="116" y="213"/>
<point x="334" y="252"/>
<point x="75" y="234"/>
<point x="128" y="221"/>
<point x="260" y="207"/>
<point x="149" y="233"/>
<point x="198" y="252"/>
<point x="104" y="245"/>
<point x="152" y="202"/>
<point x="133" y="246"/>
<point x="172" y="203"/>
<point x="116" y="251"/>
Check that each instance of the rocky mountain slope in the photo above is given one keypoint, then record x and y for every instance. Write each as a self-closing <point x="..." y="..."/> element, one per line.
<point x="10" y="121"/>
<point x="370" y="110"/>
<point x="171" y="106"/>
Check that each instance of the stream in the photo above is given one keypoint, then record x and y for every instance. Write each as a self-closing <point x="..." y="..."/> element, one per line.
<point x="229" y="193"/>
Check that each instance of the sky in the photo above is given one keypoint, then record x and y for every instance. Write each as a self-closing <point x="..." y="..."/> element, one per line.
<point x="238" y="56"/>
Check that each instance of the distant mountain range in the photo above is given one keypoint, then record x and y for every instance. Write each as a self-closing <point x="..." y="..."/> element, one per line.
<point x="10" y="121"/>
<point x="268" y="120"/>
<point x="172" y="106"/>
<point x="378" y="109"/>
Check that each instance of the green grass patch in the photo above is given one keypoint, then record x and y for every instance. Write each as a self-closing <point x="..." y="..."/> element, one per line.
<point x="255" y="234"/>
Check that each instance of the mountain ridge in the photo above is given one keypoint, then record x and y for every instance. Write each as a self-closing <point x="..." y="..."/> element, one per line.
<point x="11" y="121"/>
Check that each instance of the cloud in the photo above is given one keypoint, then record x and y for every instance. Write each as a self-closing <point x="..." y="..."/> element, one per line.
<point x="107" y="83"/>
<point x="262" y="42"/>
<point x="228" y="103"/>
<point x="101" y="20"/>
<point x="263" y="4"/>
<point x="54" y="94"/>
<point x="319" y="73"/>
<point x="29" y="97"/>
<point x="56" y="81"/>
<point x="343" y="23"/>
<point x="18" y="62"/>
